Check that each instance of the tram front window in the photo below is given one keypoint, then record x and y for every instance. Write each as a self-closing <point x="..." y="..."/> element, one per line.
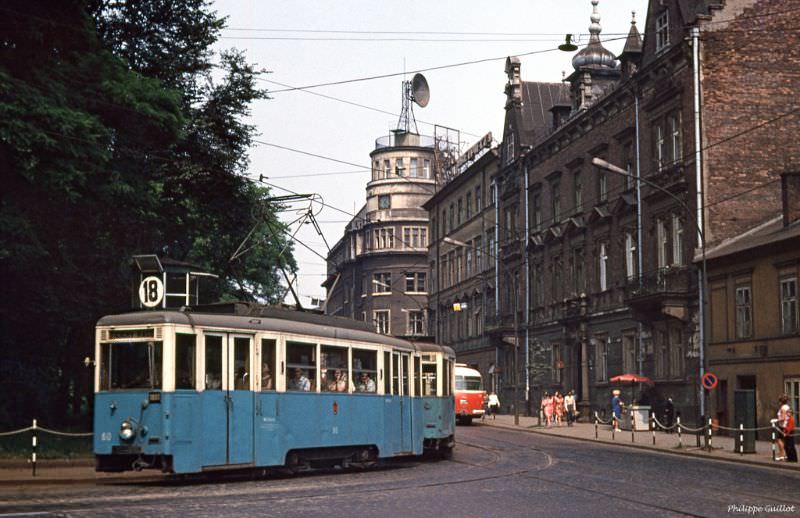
<point x="130" y="365"/>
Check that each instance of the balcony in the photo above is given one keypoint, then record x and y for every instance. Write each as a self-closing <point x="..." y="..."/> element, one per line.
<point x="403" y="139"/>
<point x="665" y="291"/>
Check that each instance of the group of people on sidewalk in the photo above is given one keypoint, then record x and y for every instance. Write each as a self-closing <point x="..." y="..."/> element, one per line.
<point x="785" y="433"/>
<point x="557" y="408"/>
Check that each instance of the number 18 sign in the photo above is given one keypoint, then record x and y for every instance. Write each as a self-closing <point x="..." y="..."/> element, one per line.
<point x="151" y="291"/>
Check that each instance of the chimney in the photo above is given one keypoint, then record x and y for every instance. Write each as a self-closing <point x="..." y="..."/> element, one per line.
<point x="790" y="189"/>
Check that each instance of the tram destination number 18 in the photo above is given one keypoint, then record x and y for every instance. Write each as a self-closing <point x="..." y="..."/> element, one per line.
<point x="151" y="291"/>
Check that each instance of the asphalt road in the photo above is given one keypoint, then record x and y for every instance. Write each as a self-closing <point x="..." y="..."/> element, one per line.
<point x="494" y="472"/>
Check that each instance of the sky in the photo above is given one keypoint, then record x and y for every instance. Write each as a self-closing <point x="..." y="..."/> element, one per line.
<point x="317" y="140"/>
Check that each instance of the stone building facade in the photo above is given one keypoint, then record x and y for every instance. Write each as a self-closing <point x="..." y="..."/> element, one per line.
<point x="599" y="273"/>
<point x="378" y="271"/>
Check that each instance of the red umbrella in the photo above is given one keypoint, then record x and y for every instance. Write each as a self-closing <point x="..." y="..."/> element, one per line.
<point x="632" y="379"/>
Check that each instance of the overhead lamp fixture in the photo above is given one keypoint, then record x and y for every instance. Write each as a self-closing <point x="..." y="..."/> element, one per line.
<point x="568" y="46"/>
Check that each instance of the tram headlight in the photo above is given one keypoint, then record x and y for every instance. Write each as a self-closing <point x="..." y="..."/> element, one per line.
<point x="126" y="432"/>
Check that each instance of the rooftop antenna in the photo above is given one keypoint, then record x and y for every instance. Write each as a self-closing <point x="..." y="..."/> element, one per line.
<point x="418" y="91"/>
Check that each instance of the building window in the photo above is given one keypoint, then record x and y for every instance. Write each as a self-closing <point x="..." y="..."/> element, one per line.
<point x="478" y="200"/>
<point x="415" y="237"/>
<point x="492" y="191"/>
<point x="415" y="282"/>
<point x="789" y="305"/>
<point x="509" y="147"/>
<point x="556" y="291"/>
<point x="426" y="168"/>
<point x="468" y="206"/>
<point x="659" y="148"/>
<point x="398" y="167"/>
<point x="791" y="387"/>
<point x="536" y="211"/>
<point x="629" y="166"/>
<point x="630" y="256"/>
<point x="468" y="257"/>
<point x="383" y="238"/>
<point x="538" y="284"/>
<point x="578" y="192"/>
<point x="577" y="270"/>
<point x="677" y="240"/>
<point x="478" y="244"/>
<point x="744" y="314"/>
<point x="557" y="366"/>
<point x="412" y="168"/>
<point x="629" y="353"/>
<point x="444" y="222"/>
<point x="662" y="31"/>
<point x="674" y="128"/>
<point x="452" y="217"/>
<point x="382" y="282"/>
<point x="602" y="186"/>
<point x="676" y="364"/>
<point x="416" y="323"/>
<point x="555" y="189"/>
<point x="387" y="169"/>
<point x="381" y="318"/>
<point x="603" y="267"/>
<point x="661" y="242"/>
<point x="601" y="360"/>
<point x="384" y="201"/>
<point x="459" y="212"/>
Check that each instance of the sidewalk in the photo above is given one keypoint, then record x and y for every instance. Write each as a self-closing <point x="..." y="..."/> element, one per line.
<point x="722" y="446"/>
<point x="59" y="471"/>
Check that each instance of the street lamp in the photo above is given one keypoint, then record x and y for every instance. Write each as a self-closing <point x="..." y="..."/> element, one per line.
<point x="702" y="274"/>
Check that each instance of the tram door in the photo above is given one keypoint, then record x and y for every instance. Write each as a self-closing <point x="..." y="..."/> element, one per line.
<point x="228" y="400"/>
<point x="400" y="384"/>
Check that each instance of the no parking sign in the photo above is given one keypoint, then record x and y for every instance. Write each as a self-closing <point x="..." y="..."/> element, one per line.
<point x="710" y="381"/>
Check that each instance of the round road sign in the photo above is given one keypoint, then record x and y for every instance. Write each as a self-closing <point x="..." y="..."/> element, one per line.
<point x="710" y="381"/>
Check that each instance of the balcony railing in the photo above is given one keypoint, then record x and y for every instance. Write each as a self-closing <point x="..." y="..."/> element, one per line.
<point x="672" y="280"/>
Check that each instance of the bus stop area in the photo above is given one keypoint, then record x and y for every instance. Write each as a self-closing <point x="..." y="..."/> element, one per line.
<point x="723" y="447"/>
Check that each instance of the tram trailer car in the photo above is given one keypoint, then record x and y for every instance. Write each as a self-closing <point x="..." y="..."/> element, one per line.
<point x="242" y="386"/>
<point x="470" y="397"/>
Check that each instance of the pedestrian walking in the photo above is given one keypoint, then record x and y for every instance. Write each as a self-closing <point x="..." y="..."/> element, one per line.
<point x="571" y="407"/>
<point x="616" y="408"/>
<point x="494" y="405"/>
<point x="669" y="414"/>
<point x="558" y="408"/>
<point x="788" y="437"/>
<point x="784" y="410"/>
<point x="547" y="408"/>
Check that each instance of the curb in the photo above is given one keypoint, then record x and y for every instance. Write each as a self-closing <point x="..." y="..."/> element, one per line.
<point x="684" y="452"/>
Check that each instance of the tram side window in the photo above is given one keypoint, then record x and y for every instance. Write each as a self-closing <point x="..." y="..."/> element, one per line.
<point x="365" y="370"/>
<point x="334" y="373"/>
<point x="395" y="374"/>
<point x="267" y="364"/>
<point x="429" y="375"/>
<point x="301" y="359"/>
<point x="387" y="380"/>
<point x="406" y="371"/>
<point x="213" y="363"/>
<point x="185" y="354"/>
<point x="417" y="376"/>
<point x="241" y="363"/>
<point x="130" y="365"/>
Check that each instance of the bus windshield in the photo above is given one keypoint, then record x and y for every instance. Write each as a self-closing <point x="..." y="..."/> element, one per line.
<point x="468" y="383"/>
<point x="130" y="365"/>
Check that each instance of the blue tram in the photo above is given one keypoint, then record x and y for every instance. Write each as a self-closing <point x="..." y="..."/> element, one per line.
<point x="241" y="386"/>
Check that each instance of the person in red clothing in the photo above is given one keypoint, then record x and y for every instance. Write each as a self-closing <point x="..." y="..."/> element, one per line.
<point x="788" y="438"/>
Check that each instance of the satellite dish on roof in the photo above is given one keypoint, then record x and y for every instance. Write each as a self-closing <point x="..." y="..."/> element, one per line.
<point x="420" y="91"/>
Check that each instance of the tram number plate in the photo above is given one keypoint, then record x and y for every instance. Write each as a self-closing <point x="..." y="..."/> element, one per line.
<point x="125" y="449"/>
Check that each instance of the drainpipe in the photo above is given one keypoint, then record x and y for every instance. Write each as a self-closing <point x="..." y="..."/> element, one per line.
<point x="527" y="298"/>
<point x="695" y="33"/>
<point x="640" y="260"/>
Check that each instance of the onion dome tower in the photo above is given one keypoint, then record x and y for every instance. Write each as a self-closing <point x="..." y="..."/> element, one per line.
<point x="596" y="68"/>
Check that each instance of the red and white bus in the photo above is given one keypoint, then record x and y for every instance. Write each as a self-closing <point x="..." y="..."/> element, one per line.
<point x="469" y="394"/>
